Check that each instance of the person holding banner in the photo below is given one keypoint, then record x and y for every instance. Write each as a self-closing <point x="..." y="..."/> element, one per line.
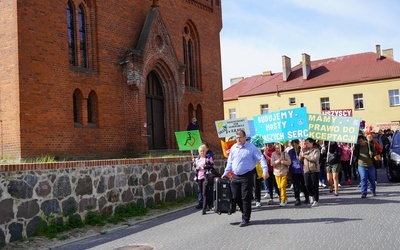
<point x="242" y="160"/>
<point x="345" y="162"/>
<point x="310" y="156"/>
<point x="204" y="166"/>
<point x="193" y="125"/>
<point x="296" y="168"/>
<point x="365" y="152"/>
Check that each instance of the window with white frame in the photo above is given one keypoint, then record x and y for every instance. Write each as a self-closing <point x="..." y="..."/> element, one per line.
<point x="264" y="109"/>
<point x="325" y="103"/>
<point x="358" y="101"/>
<point x="394" y="97"/>
<point x="292" y="101"/>
<point x="232" y="113"/>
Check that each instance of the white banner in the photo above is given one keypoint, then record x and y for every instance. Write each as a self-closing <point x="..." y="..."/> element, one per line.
<point x="227" y="128"/>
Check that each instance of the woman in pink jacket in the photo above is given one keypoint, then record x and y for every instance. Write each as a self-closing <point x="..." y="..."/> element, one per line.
<point x="345" y="161"/>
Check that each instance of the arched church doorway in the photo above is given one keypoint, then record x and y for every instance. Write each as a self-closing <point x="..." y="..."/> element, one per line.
<point x="155" y="112"/>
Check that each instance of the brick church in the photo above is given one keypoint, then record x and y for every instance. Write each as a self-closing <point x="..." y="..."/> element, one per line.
<point x="115" y="78"/>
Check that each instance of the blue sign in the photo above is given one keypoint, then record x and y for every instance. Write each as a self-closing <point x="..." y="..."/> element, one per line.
<point x="251" y="128"/>
<point x="282" y="125"/>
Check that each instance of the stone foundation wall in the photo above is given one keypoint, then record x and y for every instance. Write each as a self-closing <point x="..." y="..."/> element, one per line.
<point x="30" y="194"/>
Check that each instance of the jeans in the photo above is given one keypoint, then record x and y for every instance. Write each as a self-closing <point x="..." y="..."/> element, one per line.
<point x="322" y="173"/>
<point x="272" y="185"/>
<point x="242" y="191"/>
<point x="312" y="184"/>
<point x="200" y="191"/>
<point x="346" y="169"/>
<point x="299" y="186"/>
<point x="367" y="174"/>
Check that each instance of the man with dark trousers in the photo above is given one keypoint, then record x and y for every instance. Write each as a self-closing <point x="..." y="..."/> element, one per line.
<point x="242" y="161"/>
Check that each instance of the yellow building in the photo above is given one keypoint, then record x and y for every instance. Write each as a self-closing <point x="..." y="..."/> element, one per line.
<point x="366" y="84"/>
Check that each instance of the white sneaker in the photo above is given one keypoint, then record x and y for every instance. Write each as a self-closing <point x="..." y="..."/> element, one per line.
<point x="323" y="185"/>
<point x="266" y="196"/>
<point x="276" y="195"/>
<point x="270" y="202"/>
<point x="339" y="185"/>
<point x="291" y="186"/>
<point x="320" y="184"/>
<point x="311" y="200"/>
<point x="315" y="204"/>
<point x="258" y="204"/>
<point x="301" y="194"/>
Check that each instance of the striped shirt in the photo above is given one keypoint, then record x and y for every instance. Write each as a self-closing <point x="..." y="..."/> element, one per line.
<point x="242" y="159"/>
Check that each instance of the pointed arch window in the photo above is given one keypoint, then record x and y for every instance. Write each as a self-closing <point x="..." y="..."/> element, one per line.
<point x="77" y="106"/>
<point x="92" y="111"/>
<point x="79" y="39"/>
<point x="191" y="56"/>
<point x="71" y="34"/>
<point x="82" y="36"/>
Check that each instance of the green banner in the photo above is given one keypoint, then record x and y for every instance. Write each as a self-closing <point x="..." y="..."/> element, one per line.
<point x="333" y="128"/>
<point x="188" y="140"/>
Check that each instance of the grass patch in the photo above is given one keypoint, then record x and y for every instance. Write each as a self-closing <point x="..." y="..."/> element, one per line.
<point x="52" y="226"/>
<point x="176" y="203"/>
<point x="42" y="159"/>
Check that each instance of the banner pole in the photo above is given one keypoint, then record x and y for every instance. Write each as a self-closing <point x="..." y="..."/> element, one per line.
<point x="327" y="152"/>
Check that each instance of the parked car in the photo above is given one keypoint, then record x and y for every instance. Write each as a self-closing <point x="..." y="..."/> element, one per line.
<point x="393" y="158"/>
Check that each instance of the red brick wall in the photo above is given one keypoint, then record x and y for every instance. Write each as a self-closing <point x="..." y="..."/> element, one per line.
<point x="47" y="82"/>
<point x="9" y="93"/>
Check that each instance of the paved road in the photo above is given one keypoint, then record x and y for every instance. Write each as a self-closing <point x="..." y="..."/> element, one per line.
<point x="343" y="222"/>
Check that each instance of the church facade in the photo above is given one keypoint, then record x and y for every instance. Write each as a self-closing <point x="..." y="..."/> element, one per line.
<point x="89" y="78"/>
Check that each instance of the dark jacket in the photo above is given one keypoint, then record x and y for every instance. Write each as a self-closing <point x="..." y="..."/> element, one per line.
<point x="334" y="154"/>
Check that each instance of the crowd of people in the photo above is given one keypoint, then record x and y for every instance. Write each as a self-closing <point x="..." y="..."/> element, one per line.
<point x="303" y="165"/>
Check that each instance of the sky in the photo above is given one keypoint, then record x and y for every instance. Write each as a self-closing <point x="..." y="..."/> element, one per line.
<point x="257" y="33"/>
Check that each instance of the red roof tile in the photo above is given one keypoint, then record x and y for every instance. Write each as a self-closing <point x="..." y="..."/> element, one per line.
<point x="326" y="72"/>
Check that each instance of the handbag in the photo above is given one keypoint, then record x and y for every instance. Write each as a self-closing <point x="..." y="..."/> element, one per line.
<point x="332" y="159"/>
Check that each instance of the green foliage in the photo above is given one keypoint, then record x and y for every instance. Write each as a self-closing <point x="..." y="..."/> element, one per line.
<point x="168" y="205"/>
<point x="127" y="211"/>
<point x="42" y="159"/>
<point x="94" y="219"/>
<point x="74" y="221"/>
<point x="51" y="227"/>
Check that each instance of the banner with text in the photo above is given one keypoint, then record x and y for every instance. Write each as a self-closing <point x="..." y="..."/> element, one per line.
<point x="388" y="125"/>
<point x="282" y="125"/>
<point x="338" y="112"/>
<point x="188" y="140"/>
<point x="227" y="128"/>
<point x="333" y="128"/>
